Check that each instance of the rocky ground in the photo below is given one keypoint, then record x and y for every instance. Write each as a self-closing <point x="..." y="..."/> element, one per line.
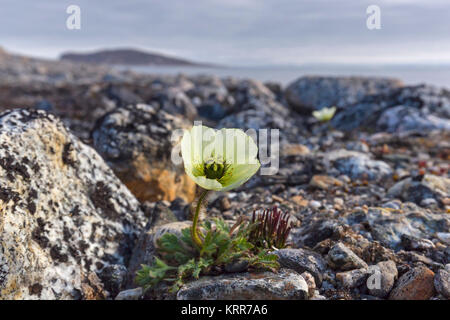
<point x="86" y="182"/>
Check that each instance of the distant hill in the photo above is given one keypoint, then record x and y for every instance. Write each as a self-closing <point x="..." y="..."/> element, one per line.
<point x="127" y="57"/>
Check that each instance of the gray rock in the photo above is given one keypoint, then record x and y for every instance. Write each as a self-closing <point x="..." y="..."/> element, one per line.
<point x="236" y="266"/>
<point x="313" y="92"/>
<point x="342" y="258"/>
<point x="382" y="278"/>
<point x="315" y="231"/>
<point x="353" y="278"/>
<point x="442" y="282"/>
<point x="388" y="227"/>
<point x="401" y="109"/>
<point x="130" y="294"/>
<point x="302" y="260"/>
<point x="444" y="237"/>
<point x="65" y="215"/>
<point x="428" y="203"/>
<point x="413" y="243"/>
<point x="309" y="278"/>
<point x="418" y="189"/>
<point x="174" y="101"/>
<point x="284" y="285"/>
<point x="356" y="165"/>
<point x="405" y="118"/>
<point x="114" y="277"/>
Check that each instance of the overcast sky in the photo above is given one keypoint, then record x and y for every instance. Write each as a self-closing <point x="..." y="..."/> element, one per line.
<point x="236" y="32"/>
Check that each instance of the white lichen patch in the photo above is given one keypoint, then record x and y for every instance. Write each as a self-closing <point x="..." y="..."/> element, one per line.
<point x="63" y="213"/>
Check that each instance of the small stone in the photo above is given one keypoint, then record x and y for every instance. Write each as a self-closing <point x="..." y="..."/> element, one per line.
<point x="228" y="215"/>
<point x="428" y="202"/>
<point x="225" y="204"/>
<point x="354" y="278"/>
<point x="310" y="282"/>
<point x="394" y="204"/>
<point x="295" y="150"/>
<point x="342" y="258"/>
<point x="298" y="199"/>
<point x="131" y="294"/>
<point x="236" y="266"/>
<point x="444" y="237"/>
<point x="338" y="203"/>
<point x="442" y="281"/>
<point x="313" y="204"/>
<point x="416" y="284"/>
<point x="317" y="296"/>
<point x="324" y="182"/>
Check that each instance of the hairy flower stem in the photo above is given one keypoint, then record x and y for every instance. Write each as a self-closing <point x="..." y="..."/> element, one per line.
<point x="194" y="231"/>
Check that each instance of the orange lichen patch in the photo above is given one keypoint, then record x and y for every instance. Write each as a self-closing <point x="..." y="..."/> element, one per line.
<point x="149" y="182"/>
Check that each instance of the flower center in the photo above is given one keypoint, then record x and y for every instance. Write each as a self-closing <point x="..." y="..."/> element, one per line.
<point x="215" y="170"/>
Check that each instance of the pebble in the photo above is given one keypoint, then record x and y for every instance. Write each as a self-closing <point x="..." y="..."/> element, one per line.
<point x="324" y="182"/>
<point x="313" y="204"/>
<point x="310" y="282"/>
<point x="131" y="294"/>
<point x="342" y="258"/>
<point x="444" y="237"/>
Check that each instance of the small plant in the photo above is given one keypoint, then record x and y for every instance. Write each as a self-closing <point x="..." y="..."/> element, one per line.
<point x="180" y="259"/>
<point x="219" y="161"/>
<point x="324" y="114"/>
<point x="271" y="229"/>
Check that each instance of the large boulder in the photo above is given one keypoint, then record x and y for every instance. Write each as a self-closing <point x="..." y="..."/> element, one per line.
<point x="136" y="142"/>
<point x="64" y="215"/>
<point x="405" y="118"/>
<point x="413" y="108"/>
<point x="315" y="92"/>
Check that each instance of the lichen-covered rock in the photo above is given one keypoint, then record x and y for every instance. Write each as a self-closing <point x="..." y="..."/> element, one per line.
<point x="136" y="142"/>
<point x="284" y="285"/>
<point x="314" y="92"/>
<point x="416" y="284"/>
<point x="356" y="165"/>
<point x="412" y="108"/>
<point x="302" y="260"/>
<point x="64" y="215"/>
<point x="420" y="188"/>
<point x="353" y="278"/>
<point x="388" y="227"/>
<point x="342" y="258"/>
<point x="405" y="118"/>
<point x="442" y="281"/>
<point x="383" y="276"/>
<point x="130" y="294"/>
